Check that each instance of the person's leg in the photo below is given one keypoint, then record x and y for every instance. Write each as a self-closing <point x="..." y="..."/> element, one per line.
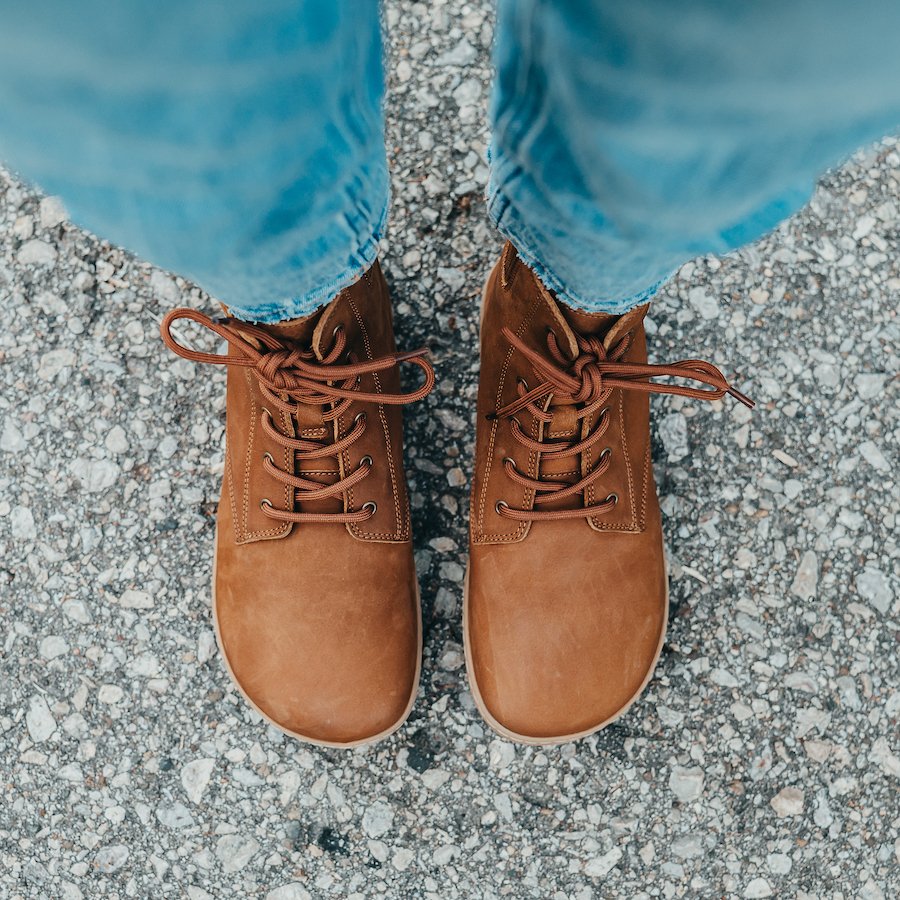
<point x="630" y="137"/>
<point x="241" y="144"/>
<point x="238" y="145"/>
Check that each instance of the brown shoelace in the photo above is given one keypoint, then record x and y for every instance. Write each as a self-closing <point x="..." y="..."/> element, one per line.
<point x="291" y="377"/>
<point x="587" y="382"/>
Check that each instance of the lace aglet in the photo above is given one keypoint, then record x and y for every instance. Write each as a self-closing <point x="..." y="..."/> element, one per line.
<point x="742" y="398"/>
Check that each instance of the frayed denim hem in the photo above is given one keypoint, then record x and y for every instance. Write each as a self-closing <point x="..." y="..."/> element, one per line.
<point x="298" y="307"/>
<point x="556" y="287"/>
<point x="526" y="244"/>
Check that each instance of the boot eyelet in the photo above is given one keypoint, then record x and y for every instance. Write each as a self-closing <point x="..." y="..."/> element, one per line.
<point x="509" y="460"/>
<point x="372" y="505"/>
<point x="265" y="503"/>
<point x="607" y="452"/>
<point x="523" y="382"/>
<point x="268" y="456"/>
<point x="360" y="415"/>
<point x="337" y="329"/>
<point x="500" y="504"/>
<point x="367" y="460"/>
<point x="604" y="413"/>
<point x="612" y="497"/>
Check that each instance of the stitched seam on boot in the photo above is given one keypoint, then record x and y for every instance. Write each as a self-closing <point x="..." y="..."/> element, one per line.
<point x="242" y="534"/>
<point x="484" y="536"/>
<point x="401" y="532"/>
<point x="634" y="526"/>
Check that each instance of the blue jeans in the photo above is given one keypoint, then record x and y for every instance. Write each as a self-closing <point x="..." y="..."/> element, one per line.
<point x="241" y="144"/>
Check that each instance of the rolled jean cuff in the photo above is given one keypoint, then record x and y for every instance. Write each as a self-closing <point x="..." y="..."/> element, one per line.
<point x="361" y="260"/>
<point x="535" y="251"/>
<point x="555" y="284"/>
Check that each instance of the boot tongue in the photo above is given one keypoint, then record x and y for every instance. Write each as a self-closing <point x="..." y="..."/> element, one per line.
<point x="570" y="321"/>
<point x="299" y="330"/>
<point x="307" y="332"/>
<point x="314" y="331"/>
<point x="561" y="326"/>
<point x="610" y="328"/>
<point x="307" y="422"/>
<point x="565" y="424"/>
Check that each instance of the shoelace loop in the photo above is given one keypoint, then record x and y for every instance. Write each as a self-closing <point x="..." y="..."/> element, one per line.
<point x="587" y="382"/>
<point x="290" y="376"/>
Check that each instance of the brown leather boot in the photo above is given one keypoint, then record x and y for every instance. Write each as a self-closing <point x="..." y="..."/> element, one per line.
<point x="567" y="592"/>
<point x="315" y="598"/>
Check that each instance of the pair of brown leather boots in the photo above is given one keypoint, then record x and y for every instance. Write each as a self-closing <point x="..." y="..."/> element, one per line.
<point x="316" y="604"/>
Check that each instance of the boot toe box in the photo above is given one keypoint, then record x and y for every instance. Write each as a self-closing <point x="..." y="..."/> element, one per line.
<point x="332" y="661"/>
<point x="552" y="656"/>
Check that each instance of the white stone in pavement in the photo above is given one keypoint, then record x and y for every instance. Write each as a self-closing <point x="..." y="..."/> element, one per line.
<point x="378" y="819"/>
<point x="39" y="719"/>
<point x="874" y="587"/>
<point x="112" y="858"/>
<point x="37" y="252"/>
<point x="686" y="782"/>
<point x="292" y="891"/>
<point x="788" y="801"/>
<point x="52" y="646"/>
<point x="806" y="578"/>
<point x="600" y="866"/>
<point x="195" y="778"/>
<point x="234" y="851"/>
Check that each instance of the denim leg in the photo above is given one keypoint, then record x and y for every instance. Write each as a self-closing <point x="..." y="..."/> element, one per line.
<point x="631" y="137"/>
<point x="239" y="144"/>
